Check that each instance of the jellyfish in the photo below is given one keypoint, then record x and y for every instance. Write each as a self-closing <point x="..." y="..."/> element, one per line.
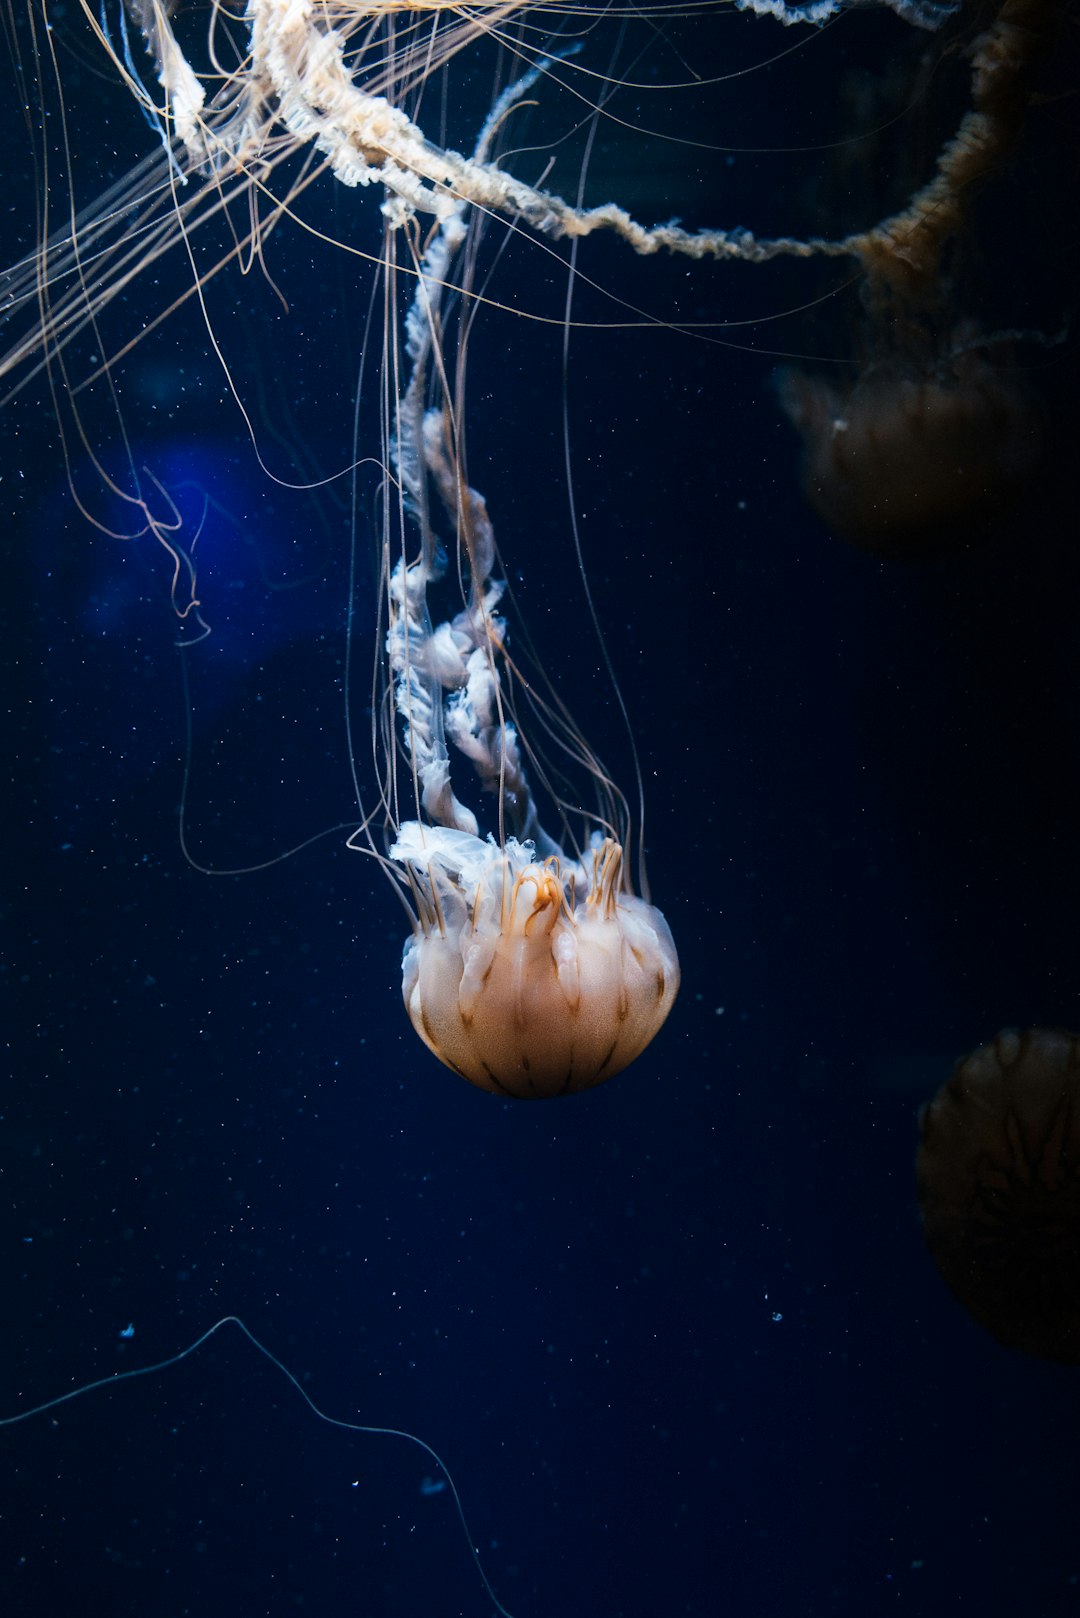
<point x="915" y="458"/>
<point x="999" y="1189"/>
<point x="529" y="972"/>
<point x="939" y="432"/>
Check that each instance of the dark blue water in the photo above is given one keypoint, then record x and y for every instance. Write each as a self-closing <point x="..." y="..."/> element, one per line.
<point x="677" y="1339"/>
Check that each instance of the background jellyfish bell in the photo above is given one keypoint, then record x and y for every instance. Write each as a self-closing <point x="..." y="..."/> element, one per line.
<point x="999" y="1189"/>
<point x="914" y="460"/>
<point x="925" y="444"/>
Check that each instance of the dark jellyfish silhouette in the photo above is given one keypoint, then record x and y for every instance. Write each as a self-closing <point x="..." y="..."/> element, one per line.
<point x="999" y="1189"/>
<point x="913" y="461"/>
<point x="938" y="432"/>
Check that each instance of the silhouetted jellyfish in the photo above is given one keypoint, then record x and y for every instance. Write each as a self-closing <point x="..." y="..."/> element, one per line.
<point x="999" y="1189"/>
<point x="940" y="433"/>
<point x="913" y="461"/>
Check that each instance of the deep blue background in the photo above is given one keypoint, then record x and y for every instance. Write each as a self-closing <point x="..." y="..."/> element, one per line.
<point x="677" y="1339"/>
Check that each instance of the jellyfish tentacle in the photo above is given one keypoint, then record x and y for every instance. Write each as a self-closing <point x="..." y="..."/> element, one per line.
<point x="904" y="251"/>
<point x="298" y="75"/>
<point x="460" y="655"/>
<point x="929" y="14"/>
<point x="184" y="94"/>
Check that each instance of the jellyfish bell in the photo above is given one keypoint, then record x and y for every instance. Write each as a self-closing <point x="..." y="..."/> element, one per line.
<point x="998" y="1172"/>
<point x="916" y="460"/>
<point x="526" y="978"/>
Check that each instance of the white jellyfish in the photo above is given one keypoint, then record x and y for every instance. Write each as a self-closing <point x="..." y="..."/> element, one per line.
<point x="531" y="972"/>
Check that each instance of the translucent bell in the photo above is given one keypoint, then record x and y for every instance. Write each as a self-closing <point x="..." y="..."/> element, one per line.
<point x="527" y="979"/>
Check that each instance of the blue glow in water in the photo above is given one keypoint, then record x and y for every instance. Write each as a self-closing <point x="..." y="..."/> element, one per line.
<point x="272" y="584"/>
